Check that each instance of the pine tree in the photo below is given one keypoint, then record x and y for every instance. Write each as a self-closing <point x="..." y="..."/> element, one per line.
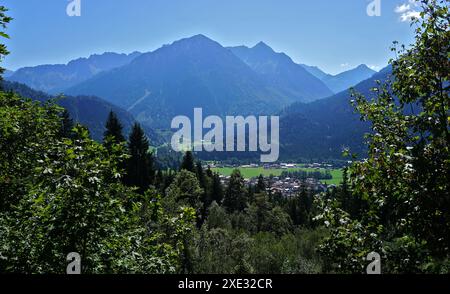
<point x="188" y="162"/>
<point x="138" y="165"/>
<point x="113" y="130"/>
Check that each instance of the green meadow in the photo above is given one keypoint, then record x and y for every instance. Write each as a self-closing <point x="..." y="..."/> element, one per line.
<point x="251" y="172"/>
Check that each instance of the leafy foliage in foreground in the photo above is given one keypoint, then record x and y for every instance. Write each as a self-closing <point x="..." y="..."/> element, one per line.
<point x="401" y="191"/>
<point x="62" y="195"/>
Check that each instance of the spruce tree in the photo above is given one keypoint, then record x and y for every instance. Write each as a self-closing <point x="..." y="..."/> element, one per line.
<point x="188" y="162"/>
<point x="113" y="130"/>
<point x="138" y="165"/>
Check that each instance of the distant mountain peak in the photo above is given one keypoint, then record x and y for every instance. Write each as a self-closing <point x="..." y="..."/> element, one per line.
<point x="199" y="38"/>
<point x="263" y="46"/>
<point x="349" y="78"/>
<point x="280" y="72"/>
<point x="198" y="41"/>
<point x="363" y="66"/>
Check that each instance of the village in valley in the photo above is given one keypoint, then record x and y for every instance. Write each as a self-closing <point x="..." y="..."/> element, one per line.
<point x="286" y="179"/>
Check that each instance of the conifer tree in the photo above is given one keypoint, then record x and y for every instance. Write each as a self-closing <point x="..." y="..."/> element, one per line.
<point x="113" y="130"/>
<point x="138" y="165"/>
<point x="188" y="162"/>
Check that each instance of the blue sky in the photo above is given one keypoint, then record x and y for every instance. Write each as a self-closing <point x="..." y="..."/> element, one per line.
<point x="334" y="35"/>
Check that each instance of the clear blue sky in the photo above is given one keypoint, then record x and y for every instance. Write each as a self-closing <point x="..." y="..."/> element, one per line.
<point x="334" y="35"/>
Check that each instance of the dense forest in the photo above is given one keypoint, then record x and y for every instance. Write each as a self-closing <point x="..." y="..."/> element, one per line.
<point x="61" y="191"/>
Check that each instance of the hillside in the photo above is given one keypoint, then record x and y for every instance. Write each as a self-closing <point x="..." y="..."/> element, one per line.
<point x="347" y="79"/>
<point x="55" y="78"/>
<point x="322" y="129"/>
<point x="89" y="111"/>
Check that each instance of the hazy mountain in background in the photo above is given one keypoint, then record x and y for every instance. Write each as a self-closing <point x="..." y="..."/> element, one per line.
<point x="189" y="73"/>
<point x="322" y="129"/>
<point x="282" y="74"/>
<point x="348" y="79"/>
<point x="89" y="111"/>
<point x="343" y="81"/>
<point x="58" y="77"/>
<point x="315" y="71"/>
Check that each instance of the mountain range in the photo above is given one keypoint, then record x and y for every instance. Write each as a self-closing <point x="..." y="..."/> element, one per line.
<point x="342" y="81"/>
<point x="316" y="117"/>
<point x="55" y="78"/>
<point x="173" y="80"/>
<point x="282" y="74"/>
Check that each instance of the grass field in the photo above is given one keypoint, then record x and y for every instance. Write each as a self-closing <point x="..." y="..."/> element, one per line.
<point x="252" y="172"/>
